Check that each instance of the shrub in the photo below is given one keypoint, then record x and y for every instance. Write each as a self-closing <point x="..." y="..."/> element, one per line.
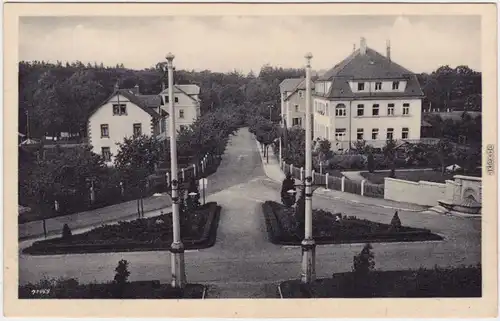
<point x="288" y="184"/>
<point x="395" y="222"/>
<point x="371" y="163"/>
<point x="364" y="262"/>
<point x="121" y="278"/>
<point x="66" y="232"/>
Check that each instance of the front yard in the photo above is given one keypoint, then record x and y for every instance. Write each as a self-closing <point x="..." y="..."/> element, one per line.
<point x="336" y="228"/>
<point x="198" y="230"/>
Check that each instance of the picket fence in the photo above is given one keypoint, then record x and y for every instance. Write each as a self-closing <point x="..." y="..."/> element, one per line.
<point x="336" y="183"/>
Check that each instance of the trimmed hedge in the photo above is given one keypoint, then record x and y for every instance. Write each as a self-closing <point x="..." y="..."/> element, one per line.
<point x="136" y="235"/>
<point x="327" y="230"/>
<point x="421" y="283"/>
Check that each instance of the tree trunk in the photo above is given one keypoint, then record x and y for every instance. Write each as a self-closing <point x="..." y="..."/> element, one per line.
<point x="138" y="209"/>
<point x="267" y="154"/>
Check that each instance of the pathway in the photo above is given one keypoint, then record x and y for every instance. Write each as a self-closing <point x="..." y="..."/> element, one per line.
<point x="243" y="263"/>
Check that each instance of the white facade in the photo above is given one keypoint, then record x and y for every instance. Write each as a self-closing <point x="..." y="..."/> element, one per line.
<point x="186" y="105"/>
<point x="344" y="122"/>
<point x="295" y="108"/>
<point x="106" y="128"/>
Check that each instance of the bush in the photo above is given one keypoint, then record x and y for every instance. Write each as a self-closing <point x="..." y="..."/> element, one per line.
<point x="364" y="262"/>
<point x="370" y="163"/>
<point x="121" y="278"/>
<point x="395" y="222"/>
<point x="66" y="232"/>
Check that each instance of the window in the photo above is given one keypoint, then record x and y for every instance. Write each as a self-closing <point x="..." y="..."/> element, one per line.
<point x="166" y="99"/>
<point x="395" y="85"/>
<point x="359" y="135"/>
<point x="340" y="110"/>
<point x="406" y="109"/>
<point x="378" y="86"/>
<point x="405" y="133"/>
<point x="176" y="99"/>
<point x="340" y="134"/>
<point x="375" y="110"/>
<point x="390" y="133"/>
<point x="361" y="86"/>
<point x="106" y="154"/>
<point x="301" y="94"/>
<point x="296" y="108"/>
<point x="390" y="109"/>
<point x="375" y="133"/>
<point x="181" y="113"/>
<point x="361" y="110"/>
<point x="296" y="122"/>
<point x="119" y="109"/>
<point x="137" y="130"/>
<point x="104" y="130"/>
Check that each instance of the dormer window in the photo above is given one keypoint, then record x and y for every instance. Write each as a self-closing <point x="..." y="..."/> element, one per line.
<point x="395" y="85"/>
<point x="361" y="86"/>
<point x="378" y="86"/>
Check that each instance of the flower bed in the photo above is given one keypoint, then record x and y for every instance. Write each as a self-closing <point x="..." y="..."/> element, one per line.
<point x="421" y="283"/>
<point x="198" y="229"/>
<point x="70" y="289"/>
<point x="327" y="229"/>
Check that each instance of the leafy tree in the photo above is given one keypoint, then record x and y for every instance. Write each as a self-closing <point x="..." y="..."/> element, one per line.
<point x="389" y="151"/>
<point x="121" y="278"/>
<point x="441" y="152"/>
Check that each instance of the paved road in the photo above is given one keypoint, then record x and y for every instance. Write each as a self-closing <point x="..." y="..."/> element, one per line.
<point x="242" y="262"/>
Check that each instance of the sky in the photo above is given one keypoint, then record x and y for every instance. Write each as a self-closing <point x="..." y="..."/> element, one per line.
<point x="244" y="43"/>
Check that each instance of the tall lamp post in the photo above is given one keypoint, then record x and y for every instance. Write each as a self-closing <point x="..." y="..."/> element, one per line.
<point x="308" y="244"/>
<point x="177" y="248"/>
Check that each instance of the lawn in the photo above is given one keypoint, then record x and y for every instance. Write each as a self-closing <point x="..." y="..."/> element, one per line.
<point x="198" y="230"/>
<point x="71" y="289"/>
<point x="421" y="283"/>
<point x="329" y="228"/>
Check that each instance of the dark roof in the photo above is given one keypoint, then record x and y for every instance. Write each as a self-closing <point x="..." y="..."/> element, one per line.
<point x="301" y="85"/>
<point x="138" y="100"/>
<point x="290" y="84"/>
<point x="370" y="66"/>
<point x="151" y="101"/>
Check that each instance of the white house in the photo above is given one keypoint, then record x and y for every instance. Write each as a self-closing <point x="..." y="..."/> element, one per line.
<point x="186" y="104"/>
<point x="124" y="114"/>
<point x="293" y="101"/>
<point x="367" y="96"/>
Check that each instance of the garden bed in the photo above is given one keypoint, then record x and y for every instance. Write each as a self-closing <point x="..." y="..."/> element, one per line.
<point x="421" y="283"/>
<point x="198" y="230"/>
<point x="328" y="229"/>
<point x="70" y="289"/>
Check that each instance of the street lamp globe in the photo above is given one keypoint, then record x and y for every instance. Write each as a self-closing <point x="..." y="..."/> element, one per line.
<point x="170" y="56"/>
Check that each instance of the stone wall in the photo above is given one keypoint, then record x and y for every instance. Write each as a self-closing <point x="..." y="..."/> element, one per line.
<point x="421" y="193"/>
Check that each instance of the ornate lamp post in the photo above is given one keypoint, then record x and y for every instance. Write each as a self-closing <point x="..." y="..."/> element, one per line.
<point x="177" y="248"/>
<point x="308" y="244"/>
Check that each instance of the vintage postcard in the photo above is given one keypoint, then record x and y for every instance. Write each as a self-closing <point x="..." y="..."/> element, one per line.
<point x="250" y="160"/>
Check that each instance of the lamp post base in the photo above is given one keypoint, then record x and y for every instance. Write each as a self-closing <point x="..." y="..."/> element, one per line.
<point x="308" y="261"/>
<point x="178" y="270"/>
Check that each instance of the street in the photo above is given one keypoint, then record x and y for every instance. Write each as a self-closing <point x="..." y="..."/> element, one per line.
<point x="244" y="257"/>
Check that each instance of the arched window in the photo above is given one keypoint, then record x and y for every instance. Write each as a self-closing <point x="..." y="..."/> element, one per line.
<point x="340" y="110"/>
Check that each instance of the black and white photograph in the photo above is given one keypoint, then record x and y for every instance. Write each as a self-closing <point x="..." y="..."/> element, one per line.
<point x="252" y="156"/>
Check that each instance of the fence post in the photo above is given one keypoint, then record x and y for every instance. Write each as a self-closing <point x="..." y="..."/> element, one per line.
<point x="326" y="180"/>
<point x="313" y="176"/>
<point x="183" y="174"/>
<point x="342" y="183"/>
<point x="302" y="173"/>
<point x="321" y="168"/>
<point x="194" y="170"/>
<point x="167" y="175"/>
<point x="291" y="169"/>
<point x="362" y="187"/>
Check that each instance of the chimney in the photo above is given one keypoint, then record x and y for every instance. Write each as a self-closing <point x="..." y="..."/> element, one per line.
<point x="362" y="46"/>
<point x="388" y="49"/>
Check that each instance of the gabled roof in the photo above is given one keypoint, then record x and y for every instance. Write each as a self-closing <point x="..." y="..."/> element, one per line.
<point x="301" y="85"/>
<point x="136" y="100"/>
<point x="290" y="84"/>
<point x="151" y="101"/>
<point x="188" y="90"/>
<point x="369" y="66"/>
